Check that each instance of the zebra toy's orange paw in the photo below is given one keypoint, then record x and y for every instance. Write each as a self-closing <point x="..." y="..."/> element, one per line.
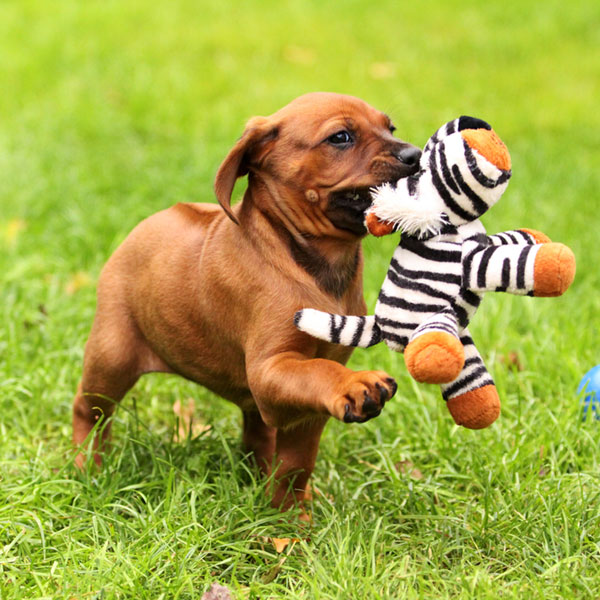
<point x="475" y="409"/>
<point x="378" y="227"/>
<point x="554" y="270"/>
<point x="434" y="357"/>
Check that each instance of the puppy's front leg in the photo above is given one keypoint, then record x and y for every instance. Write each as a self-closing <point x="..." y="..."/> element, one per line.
<point x="297" y="395"/>
<point x="295" y="456"/>
<point x="289" y="388"/>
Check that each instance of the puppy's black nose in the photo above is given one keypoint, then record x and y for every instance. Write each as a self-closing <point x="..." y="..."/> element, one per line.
<point x="409" y="155"/>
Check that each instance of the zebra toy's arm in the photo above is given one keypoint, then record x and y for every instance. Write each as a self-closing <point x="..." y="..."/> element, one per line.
<point x="348" y="330"/>
<point x="518" y="237"/>
<point x="524" y="269"/>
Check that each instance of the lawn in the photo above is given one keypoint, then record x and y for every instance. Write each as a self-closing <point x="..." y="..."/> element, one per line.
<point x="110" y="111"/>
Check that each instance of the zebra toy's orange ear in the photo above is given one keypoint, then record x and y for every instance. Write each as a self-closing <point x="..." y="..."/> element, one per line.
<point x="489" y="145"/>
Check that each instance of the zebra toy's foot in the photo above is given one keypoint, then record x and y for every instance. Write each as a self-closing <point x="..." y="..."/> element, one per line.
<point x="434" y="357"/>
<point x="475" y="409"/>
<point x="554" y="270"/>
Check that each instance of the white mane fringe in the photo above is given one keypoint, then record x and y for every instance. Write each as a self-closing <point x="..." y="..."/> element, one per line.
<point x="416" y="218"/>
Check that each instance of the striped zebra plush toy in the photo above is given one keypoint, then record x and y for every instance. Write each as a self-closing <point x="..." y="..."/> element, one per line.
<point x="443" y="265"/>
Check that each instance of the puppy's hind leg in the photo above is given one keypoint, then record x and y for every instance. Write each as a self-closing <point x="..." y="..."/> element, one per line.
<point x="258" y="438"/>
<point x="111" y="367"/>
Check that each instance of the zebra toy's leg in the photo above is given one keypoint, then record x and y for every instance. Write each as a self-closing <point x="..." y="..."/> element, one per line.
<point x="472" y="398"/>
<point x="434" y="353"/>
<point x="543" y="270"/>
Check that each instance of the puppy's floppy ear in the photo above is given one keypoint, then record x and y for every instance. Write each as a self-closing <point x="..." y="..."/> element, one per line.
<point x="249" y="150"/>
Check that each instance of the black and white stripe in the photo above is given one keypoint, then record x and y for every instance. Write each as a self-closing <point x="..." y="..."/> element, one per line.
<point x="339" y="329"/>
<point x="474" y="374"/>
<point x="466" y="182"/>
<point x="506" y="267"/>
<point x="516" y="236"/>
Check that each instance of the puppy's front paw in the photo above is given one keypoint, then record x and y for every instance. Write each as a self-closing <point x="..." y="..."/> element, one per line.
<point x="363" y="396"/>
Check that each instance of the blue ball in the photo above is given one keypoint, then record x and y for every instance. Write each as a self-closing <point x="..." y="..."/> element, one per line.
<point x="590" y="386"/>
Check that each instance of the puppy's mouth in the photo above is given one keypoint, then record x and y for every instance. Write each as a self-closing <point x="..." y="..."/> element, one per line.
<point x="346" y="206"/>
<point x="346" y="209"/>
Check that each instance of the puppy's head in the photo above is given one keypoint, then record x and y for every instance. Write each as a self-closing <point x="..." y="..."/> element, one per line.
<point x="312" y="163"/>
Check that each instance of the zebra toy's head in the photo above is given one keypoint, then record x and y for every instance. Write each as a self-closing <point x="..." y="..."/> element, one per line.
<point x="465" y="168"/>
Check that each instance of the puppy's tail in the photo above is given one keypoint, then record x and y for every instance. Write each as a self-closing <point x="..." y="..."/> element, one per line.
<point x="340" y="329"/>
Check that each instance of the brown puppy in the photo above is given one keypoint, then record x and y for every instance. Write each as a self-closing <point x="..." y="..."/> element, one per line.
<point x="210" y="294"/>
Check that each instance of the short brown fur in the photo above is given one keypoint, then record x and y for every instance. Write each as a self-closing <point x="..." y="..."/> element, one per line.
<point x="210" y="294"/>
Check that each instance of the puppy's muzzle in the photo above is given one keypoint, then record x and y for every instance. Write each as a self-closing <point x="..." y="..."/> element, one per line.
<point x="399" y="159"/>
<point x="346" y="209"/>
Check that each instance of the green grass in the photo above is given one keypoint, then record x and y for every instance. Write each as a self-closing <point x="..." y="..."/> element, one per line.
<point x="110" y="111"/>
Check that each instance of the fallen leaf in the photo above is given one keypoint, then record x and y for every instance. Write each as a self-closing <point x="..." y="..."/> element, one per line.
<point x="114" y="96"/>
<point x="300" y="55"/>
<point x="281" y="544"/>
<point x="408" y="468"/>
<point x="309" y="493"/>
<point x="312" y="492"/>
<point x="12" y="229"/>
<point x="78" y="280"/>
<point x="187" y="423"/>
<point x="382" y="70"/>
<point x="512" y="360"/>
<point x="217" y="592"/>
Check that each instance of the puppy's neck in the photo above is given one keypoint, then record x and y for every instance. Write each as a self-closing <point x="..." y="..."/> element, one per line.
<point x="334" y="263"/>
<point x="335" y="274"/>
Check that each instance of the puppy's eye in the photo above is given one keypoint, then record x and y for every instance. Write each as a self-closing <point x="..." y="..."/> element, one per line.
<point x="340" y="138"/>
<point x="392" y="128"/>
